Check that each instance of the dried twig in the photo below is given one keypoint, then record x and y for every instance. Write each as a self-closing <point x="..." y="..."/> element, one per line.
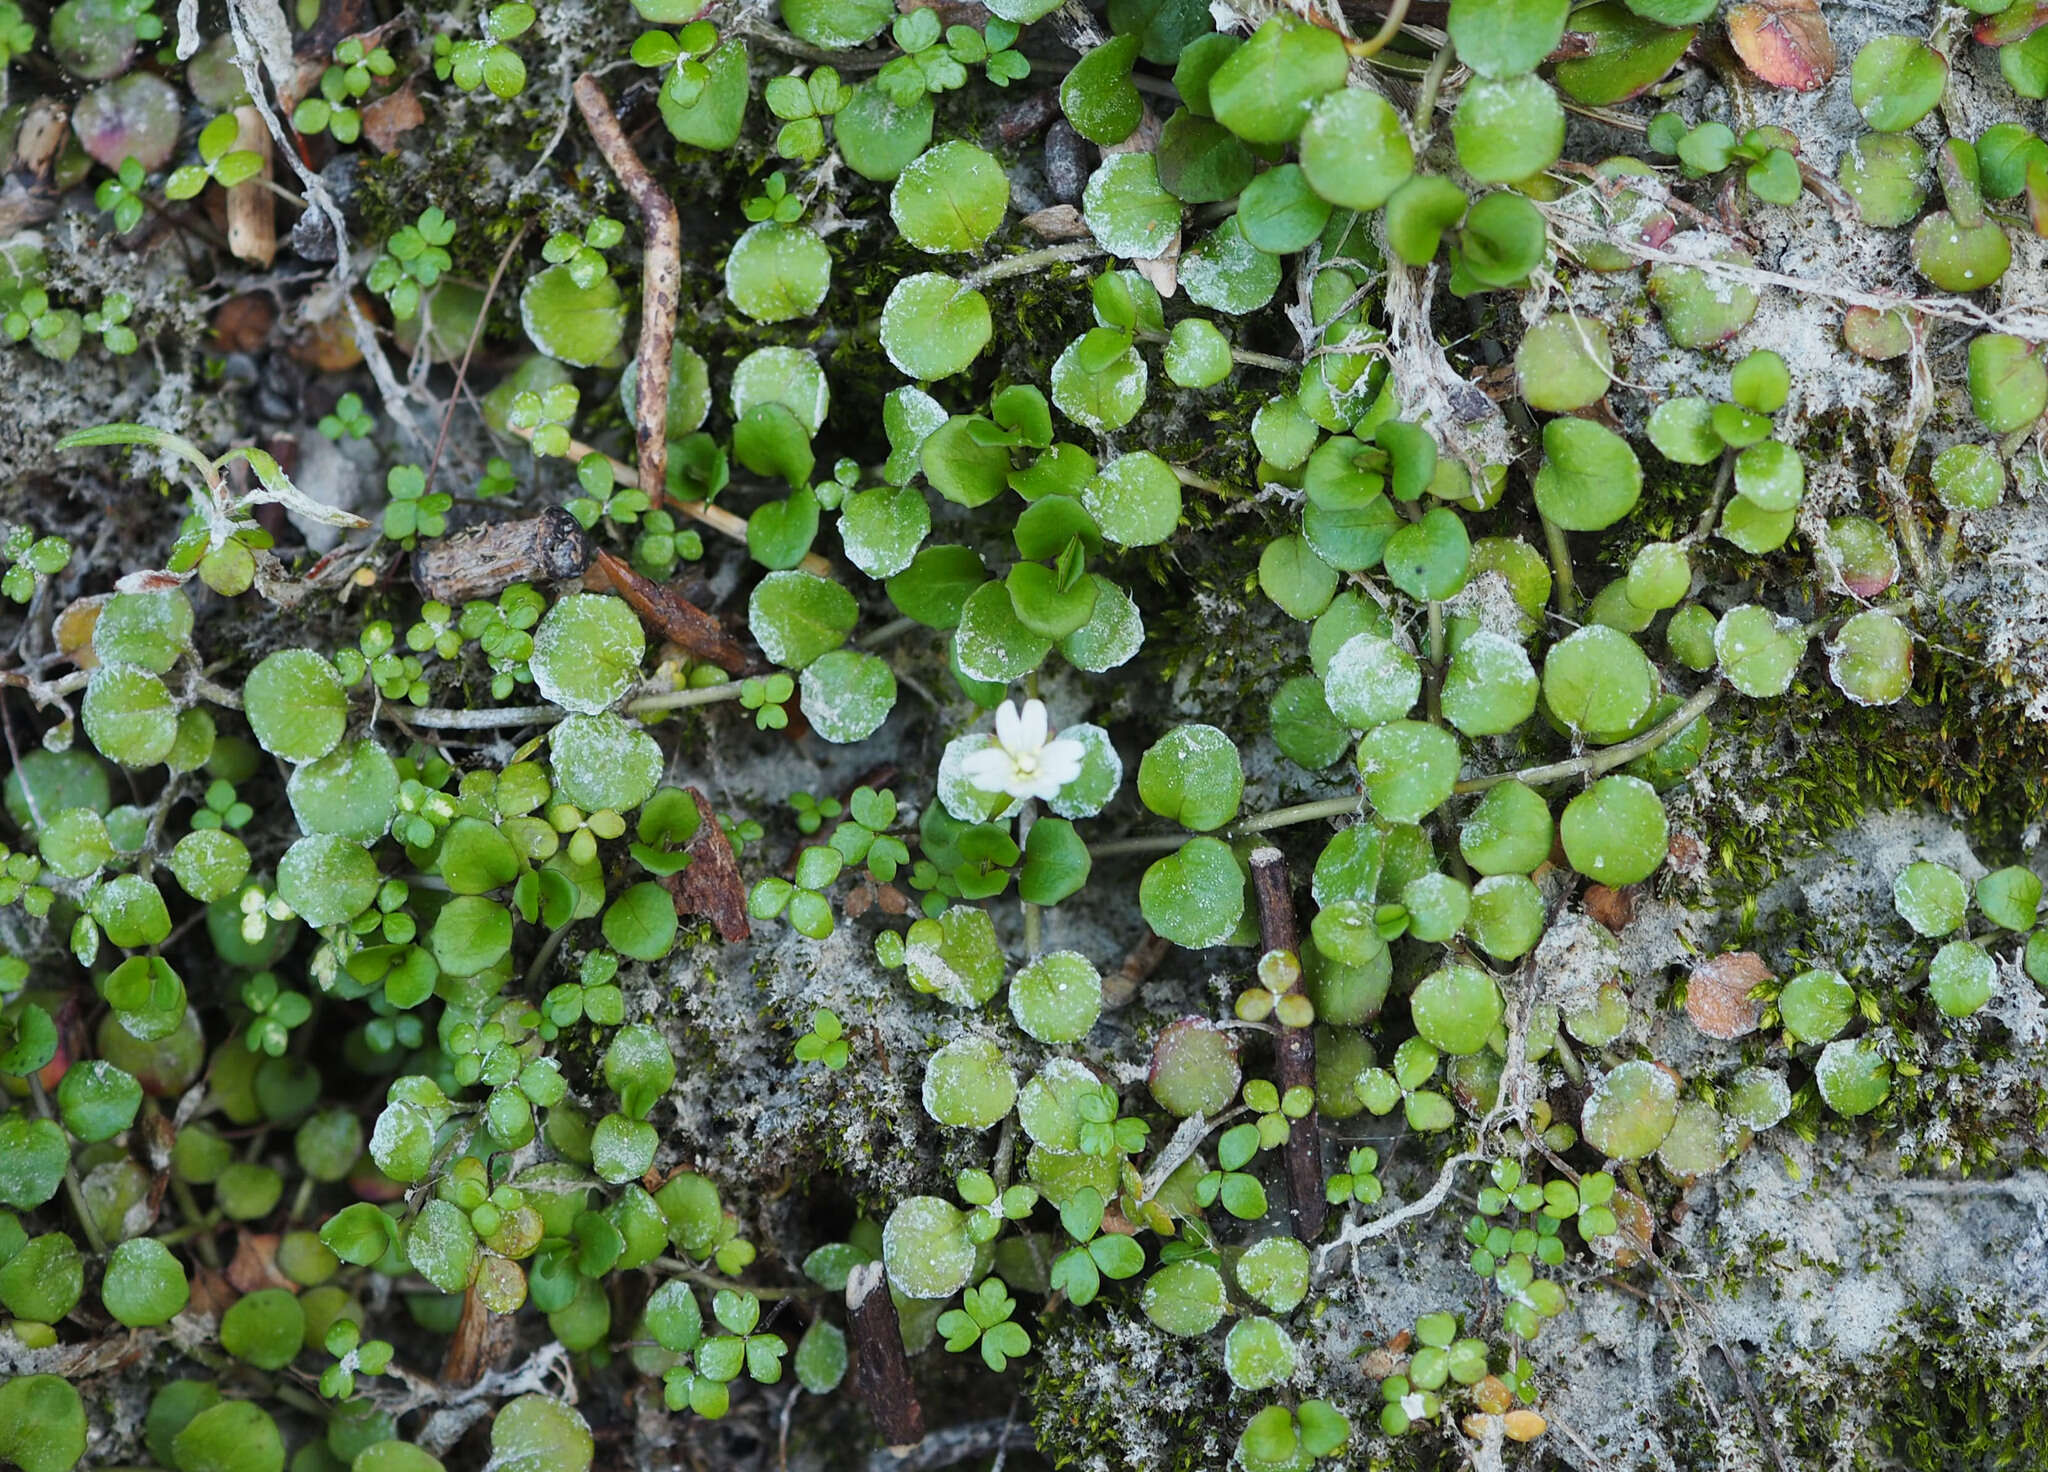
<point x="881" y="1371"/>
<point x="661" y="282"/>
<point x="483" y="315"/>
<point x="674" y="617"/>
<point x="1294" y="1048"/>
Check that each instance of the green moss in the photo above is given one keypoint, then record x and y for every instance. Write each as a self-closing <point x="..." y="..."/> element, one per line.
<point x="1940" y="1400"/>
<point x="1080" y="1420"/>
<point x="1813" y="762"/>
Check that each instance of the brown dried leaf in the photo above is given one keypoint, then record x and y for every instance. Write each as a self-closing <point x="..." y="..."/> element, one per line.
<point x="328" y="344"/>
<point x="710" y="885"/>
<point x="1784" y="42"/>
<point x="254" y="1266"/>
<point x="73" y="629"/>
<point x="1717" y="997"/>
<point x="1613" y="908"/>
<point x="212" y="1294"/>
<point x="389" y="119"/>
<point x="1056" y="222"/>
<point x="242" y="323"/>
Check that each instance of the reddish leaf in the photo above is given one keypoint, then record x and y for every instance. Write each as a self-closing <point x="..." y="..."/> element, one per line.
<point x="1717" y="997"/>
<point x="1784" y="42"/>
<point x="2014" y="23"/>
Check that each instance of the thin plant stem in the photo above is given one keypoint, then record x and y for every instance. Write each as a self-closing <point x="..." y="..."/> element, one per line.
<point x="1426" y="93"/>
<point x="681" y="1269"/>
<point x="1378" y="41"/>
<point x="895" y="629"/>
<point x="1031" y="260"/>
<point x="72" y="1193"/>
<point x="1705" y="525"/>
<point x="1590" y="764"/>
<point x="483" y="314"/>
<point x="1562" y="588"/>
<point x="445" y="718"/>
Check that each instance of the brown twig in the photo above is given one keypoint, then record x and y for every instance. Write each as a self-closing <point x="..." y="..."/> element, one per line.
<point x="476" y="333"/>
<point x="661" y="283"/>
<point x="673" y="616"/>
<point x="881" y="1372"/>
<point x="1294" y="1048"/>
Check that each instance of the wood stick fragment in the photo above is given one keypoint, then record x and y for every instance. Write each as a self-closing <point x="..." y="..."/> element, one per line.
<point x="252" y="208"/>
<point x="881" y="1371"/>
<point x="661" y="282"/>
<point x="1122" y="984"/>
<point x="1294" y="1048"/>
<point x="673" y="616"/>
<point x="483" y="561"/>
<point x="720" y="520"/>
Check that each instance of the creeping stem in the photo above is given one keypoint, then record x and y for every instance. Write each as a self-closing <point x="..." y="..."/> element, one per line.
<point x="661" y="283"/>
<point x="1591" y="764"/>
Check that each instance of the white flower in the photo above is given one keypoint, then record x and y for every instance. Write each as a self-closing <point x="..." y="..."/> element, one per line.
<point x="1020" y="761"/>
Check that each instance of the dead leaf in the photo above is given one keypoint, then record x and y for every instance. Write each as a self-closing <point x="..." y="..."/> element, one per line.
<point x="1056" y="222"/>
<point x="242" y="324"/>
<point x="1613" y="908"/>
<point x="1784" y="42"/>
<point x="710" y="885"/>
<point x="1717" y="997"/>
<point x="212" y="1294"/>
<point x="254" y="1265"/>
<point x="329" y="344"/>
<point x="1163" y="271"/>
<point x="390" y="118"/>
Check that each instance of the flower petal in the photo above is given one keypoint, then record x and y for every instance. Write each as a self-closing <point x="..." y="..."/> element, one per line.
<point x="1033" y="725"/>
<point x="1061" y="760"/>
<point x="1009" y="727"/>
<point x="990" y="770"/>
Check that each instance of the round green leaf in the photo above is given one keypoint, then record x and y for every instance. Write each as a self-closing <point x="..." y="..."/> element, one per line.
<point x="1589" y="479"/>
<point x="296" y="705"/>
<point x="951" y="198"/>
<point x="777" y="272"/>
<point x="1507" y="129"/>
<point x="1615" y="832"/>
<point x="578" y="325"/>
<point x="144" y="1285"/>
<point x="933" y="327"/>
<point x="1194" y="897"/>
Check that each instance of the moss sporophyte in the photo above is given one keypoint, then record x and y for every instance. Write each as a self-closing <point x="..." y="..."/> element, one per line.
<point x="1379" y="735"/>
